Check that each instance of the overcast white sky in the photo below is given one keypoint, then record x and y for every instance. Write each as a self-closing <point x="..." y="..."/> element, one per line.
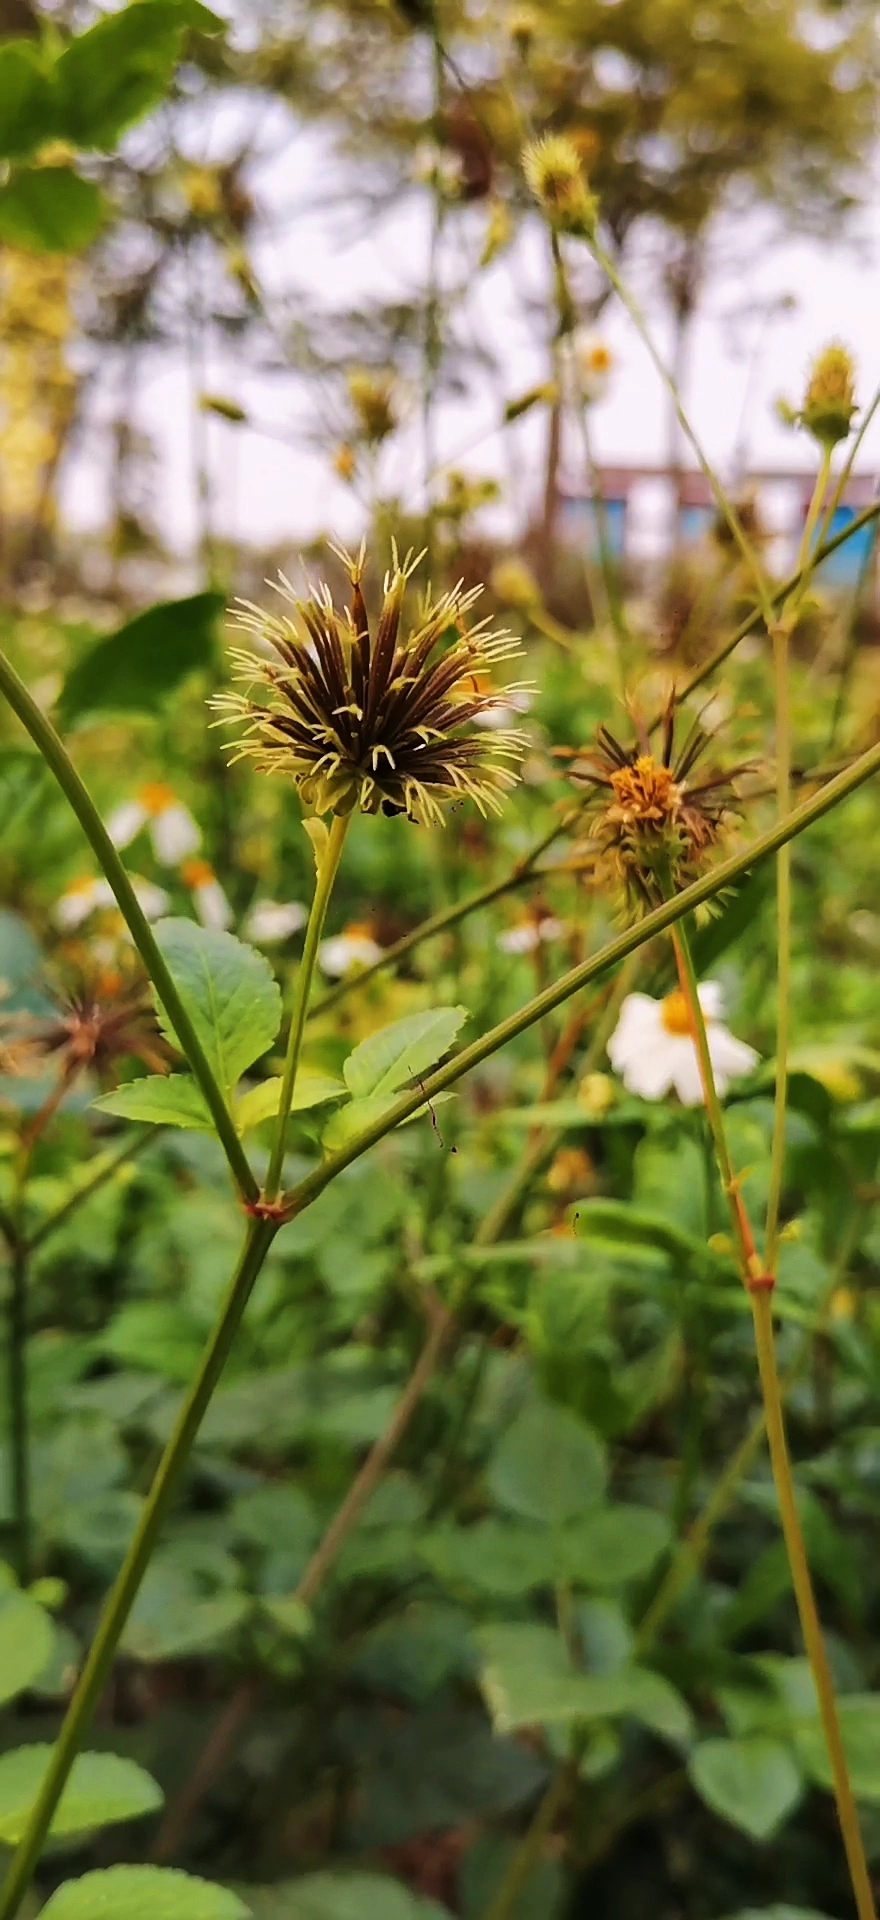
<point x="264" y="491"/>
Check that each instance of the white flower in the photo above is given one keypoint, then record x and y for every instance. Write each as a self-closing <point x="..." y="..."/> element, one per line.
<point x="173" y="831"/>
<point x="529" y="932"/>
<point x="272" y="920"/>
<point x="652" y="1049"/>
<point x="353" y="948"/>
<point x="85" y="896"/>
<point x="594" y="363"/>
<point x="504" y="711"/>
<point x="210" y="901"/>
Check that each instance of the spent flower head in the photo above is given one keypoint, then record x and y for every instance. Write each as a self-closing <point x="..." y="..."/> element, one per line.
<point x="553" y="168"/>
<point x="373" y="715"/>
<point x="655" y="822"/>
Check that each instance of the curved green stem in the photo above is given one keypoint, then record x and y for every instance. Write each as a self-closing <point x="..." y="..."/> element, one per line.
<point x="328" y="867"/>
<point x="118" y="1605"/>
<point x="60" y="764"/>
<point x="528" y="1854"/>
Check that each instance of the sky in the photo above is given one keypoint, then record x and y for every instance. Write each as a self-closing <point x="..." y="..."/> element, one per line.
<point x="271" y="487"/>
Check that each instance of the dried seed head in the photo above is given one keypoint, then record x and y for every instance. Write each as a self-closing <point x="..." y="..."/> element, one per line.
<point x="370" y="716"/>
<point x="655" y="824"/>
<point x="554" y="173"/>
<point x="830" y="401"/>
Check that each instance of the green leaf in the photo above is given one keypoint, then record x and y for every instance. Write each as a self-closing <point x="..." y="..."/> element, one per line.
<point x="100" y="1530"/>
<point x="277" y="1518"/>
<point x="619" y="1222"/>
<point x="397" y="1054"/>
<point x="26" y="1641"/>
<point x="229" y="992"/>
<point x="262" y="1102"/>
<point x="27" y="112"/>
<point x="165" y="1100"/>
<point x="103" y="1788"/>
<point x="136" y="669"/>
<point x="341" y="1896"/>
<point x="21" y="968"/>
<point x="360" y="1114"/>
<point x="527" y="1681"/>
<point x="494" y="1556"/>
<point x="118" y="70"/>
<point x="611" y="1545"/>
<point x="173" y="1619"/>
<point x="548" y="1466"/>
<point x="50" y="210"/>
<point x="860" y="1727"/>
<point x="755" y="1783"/>
<point x="143" y="1893"/>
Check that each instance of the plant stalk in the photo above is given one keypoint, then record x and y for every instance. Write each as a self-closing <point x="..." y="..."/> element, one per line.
<point x="759" y="1286"/>
<point x="58" y="760"/>
<point x="328" y="867"/>
<point x="18" y="1410"/>
<point x="259" y="1237"/>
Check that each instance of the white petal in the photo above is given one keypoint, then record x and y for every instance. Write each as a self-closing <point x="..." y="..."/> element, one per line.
<point x="212" y="906"/>
<point x="519" y="939"/>
<point x="272" y="920"/>
<point x="686" y="1073"/>
<point x="640" y="1026"/>
<point x="152" y="900"/>
<point x="730" y="1057"/>
<point x="125" y="822"/>
<point x="74" y="907"/>
<point x="711" y="998"/>
<point x="648" y="1073"/>
<point x="174" y="834"/>
<point x="338" y="955"/>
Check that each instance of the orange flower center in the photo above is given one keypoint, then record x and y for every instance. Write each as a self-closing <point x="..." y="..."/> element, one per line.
<point x="155" y="797"/>
<point x="196" y="873"/>
<point x="647" y="791"/>
<point x="675" y="1015"/>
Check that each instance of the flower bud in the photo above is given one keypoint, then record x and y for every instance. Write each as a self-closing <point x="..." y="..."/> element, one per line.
<point x="372" y="397"/>
<point x="830" y="400"/>
<point x="552" y="167"/>
<point x="514" y="585"/>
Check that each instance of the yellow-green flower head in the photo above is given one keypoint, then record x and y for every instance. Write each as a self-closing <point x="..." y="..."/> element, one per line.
<point x="831" y="397"/>
<point x="554" y="174"/>
<point x="370" y="716"/>
<point x="373" y="397"/>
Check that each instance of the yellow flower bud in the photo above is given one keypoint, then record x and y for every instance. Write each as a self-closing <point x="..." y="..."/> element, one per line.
<point x="553" y="171"/>
<point x="830" y="400"/>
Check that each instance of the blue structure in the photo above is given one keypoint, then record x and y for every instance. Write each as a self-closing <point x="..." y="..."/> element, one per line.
<point x="848" y="565"/>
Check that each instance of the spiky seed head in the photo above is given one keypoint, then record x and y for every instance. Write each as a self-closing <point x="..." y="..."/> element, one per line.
<point x="369" y="715"/>
<point x="554" y="174"/>
<point x="657" y="817"/>
<point x="830" y="401"/>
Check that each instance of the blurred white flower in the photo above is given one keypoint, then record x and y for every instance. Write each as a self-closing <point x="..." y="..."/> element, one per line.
<point x="594" y="363"/>
<point x="504" y="711"/>
<point x="209" y="899"/>
<point x="528" y="933"/>
<point x="85" y="896"/>
<point x="652" y="1049"/>
<point x="173" y="831"/>
<point x="272" y="920"/>
<point x="354" y="947"/>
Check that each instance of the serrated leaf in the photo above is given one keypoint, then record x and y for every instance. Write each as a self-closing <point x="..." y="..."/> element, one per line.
<point x="164" y="1100"/>
<point x="548" y="1466"/>
<point x="754" y="1783"/>
<point x="262" y="1102"/>
<point x="26" y="1642"/>
<point x="229" y="992"/>
<point x="137" y="668"/>
<point x="103" y="1788"/>
<point x="113" y="74"/>
<point x="387" y="1060"/>
<point x="144" y="1893"/>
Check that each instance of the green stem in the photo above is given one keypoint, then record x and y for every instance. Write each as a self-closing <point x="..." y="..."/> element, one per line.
<point x="521" y="875"/>
<point x="759" y="1287"/>
<point x="328" y="867"/>
<point x="60" y="764"/>
<point x="118" y="1605"/>
<point x="18" y="1410"/>
<point x="847" y="1812"/>
<point x="724" y="504"/>
<point x="530" y="1850"/>
<point x="781" y="633"/>
<point x="739" y="1218"/>
<point x="659" y="920"/>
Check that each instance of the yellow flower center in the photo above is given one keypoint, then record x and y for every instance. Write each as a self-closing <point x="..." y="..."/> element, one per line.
<point x="647" y="791"/>
<point x="674" y="1014"/>
<point x="196" y="873"/>
<point x="155" y="797"/>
